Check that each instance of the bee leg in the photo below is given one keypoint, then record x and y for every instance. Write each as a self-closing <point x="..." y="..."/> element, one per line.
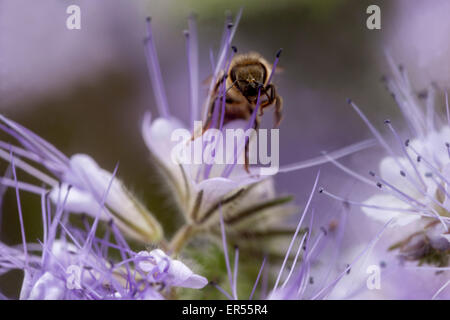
<point x="278" y="105"/>
<point x="207" y="123"/>
<point x="264" y="104"/>
<point x="278" y="109"/>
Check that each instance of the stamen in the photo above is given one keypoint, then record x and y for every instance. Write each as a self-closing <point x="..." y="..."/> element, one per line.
<point x="277" y="58"/>
<point x="155" y="73"/>
<point x="364" y="205"/>
<point x="325" y="289"/>
<point x="348" y="170"/>
<point x="22" y="186"/>
<point x="257" y="279"/>
<point x="47" y="246"/>
<point x="29" y="138"/>
<point x="339" y="239"/>
<point x="305" y="266"/>
<point x="440" y="290"/>
<point x="427" y="162"/>
<point x="221" y="290"/>
<point x="228" y="38"/>
<point x="193" y="66"/>
<point x="19" y="207"/>
<point x="407" y="155"/>
<point x="236" y="264"/>
<point x="371" y="128"/>
<point x="430" y="108"/>
<point x="406" y="198"/>
<point x="225" y="247"/>
<point x="229" y="168"/>
<point x="29" y="169"/>
<point x="296" y="231"/>
<point x="411" y="111"/>
<point x="447" y="145"/>
<point x="447" y="108"/>
<point x="299" y="249"/>
<point x="324" y="159"/>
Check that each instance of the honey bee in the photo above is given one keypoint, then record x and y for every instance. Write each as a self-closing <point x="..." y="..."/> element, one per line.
<point x="248" y="75"/>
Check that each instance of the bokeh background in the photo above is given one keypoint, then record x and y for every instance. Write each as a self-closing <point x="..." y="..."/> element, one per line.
<point x="87" y="90"/>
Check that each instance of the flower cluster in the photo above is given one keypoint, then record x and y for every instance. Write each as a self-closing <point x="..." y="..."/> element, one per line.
<point x="95" y="260"/>
<point x="412" y="179"/>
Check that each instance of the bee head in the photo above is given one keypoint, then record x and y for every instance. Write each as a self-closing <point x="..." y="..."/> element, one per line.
<point x="248" y="78"/>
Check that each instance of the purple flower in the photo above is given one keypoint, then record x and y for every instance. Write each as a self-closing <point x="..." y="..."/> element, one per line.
<point x="411" y="189"/>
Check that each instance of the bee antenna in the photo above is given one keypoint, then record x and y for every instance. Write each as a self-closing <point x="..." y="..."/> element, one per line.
<point x="279" y="52"/>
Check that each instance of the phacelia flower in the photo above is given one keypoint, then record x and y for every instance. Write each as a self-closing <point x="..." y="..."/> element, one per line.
<point x="82" y="181"/>
<point x="80" y="265"/>
<point x="248" y="200"/>
<point x="413" y="179"/>
<point x="312" y="274"/>
<point x="75" y="263"/>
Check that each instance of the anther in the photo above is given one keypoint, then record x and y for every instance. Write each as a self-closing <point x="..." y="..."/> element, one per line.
<point x="407" y="143"/>
<point x="402" y="173"/>
<point x="279" y="52"/>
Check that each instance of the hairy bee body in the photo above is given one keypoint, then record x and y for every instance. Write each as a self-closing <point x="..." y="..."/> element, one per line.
<point x="247" y="76"/>
<point x="248" y="73"/>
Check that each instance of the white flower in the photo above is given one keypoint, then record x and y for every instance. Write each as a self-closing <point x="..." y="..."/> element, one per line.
<point x="248" y="202"/>
<point x="172" y="272"/>
<point x="421" y="187"/>
<point x="89" y="183"/>
<point x="48" y="287"/>
<point x="414" y="177"/>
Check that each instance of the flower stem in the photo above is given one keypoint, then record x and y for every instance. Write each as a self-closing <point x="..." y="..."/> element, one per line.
<point x="181" y="237"/>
